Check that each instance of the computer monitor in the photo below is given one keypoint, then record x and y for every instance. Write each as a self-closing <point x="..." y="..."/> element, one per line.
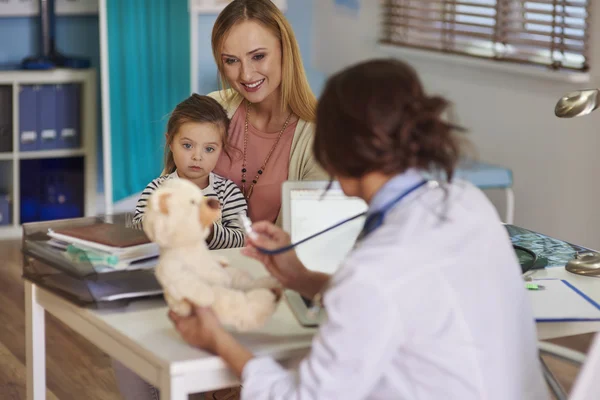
<point x="307" y="210"/>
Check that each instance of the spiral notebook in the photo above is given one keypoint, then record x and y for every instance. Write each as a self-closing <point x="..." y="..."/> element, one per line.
<point x="561" y="301"/>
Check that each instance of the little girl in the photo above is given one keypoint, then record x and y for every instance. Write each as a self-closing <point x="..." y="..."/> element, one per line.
<point x="196" y="136"/>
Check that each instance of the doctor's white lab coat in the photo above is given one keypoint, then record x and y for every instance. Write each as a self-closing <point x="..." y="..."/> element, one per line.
<point x="431" y="305"/>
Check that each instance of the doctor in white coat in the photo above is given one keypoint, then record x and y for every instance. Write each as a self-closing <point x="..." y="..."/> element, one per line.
<point x="430" y="304"/>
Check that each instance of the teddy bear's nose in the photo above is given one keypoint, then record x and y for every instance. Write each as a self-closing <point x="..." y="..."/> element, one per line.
<point x="213" y="203"/>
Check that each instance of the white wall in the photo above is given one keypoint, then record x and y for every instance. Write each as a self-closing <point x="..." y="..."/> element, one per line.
<point x="510" y="117"/>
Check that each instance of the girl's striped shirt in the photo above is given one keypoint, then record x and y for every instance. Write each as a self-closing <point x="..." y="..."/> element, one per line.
<point x="227" y="232"/>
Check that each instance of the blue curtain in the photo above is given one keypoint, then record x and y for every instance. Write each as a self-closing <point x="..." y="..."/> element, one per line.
<point x="149" y="73"/>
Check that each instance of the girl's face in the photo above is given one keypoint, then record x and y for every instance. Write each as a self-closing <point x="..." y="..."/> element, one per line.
<point x="196" y="147"/>
<point x="251" y="58"/>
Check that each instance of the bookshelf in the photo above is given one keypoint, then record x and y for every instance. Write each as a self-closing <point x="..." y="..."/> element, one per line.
<point x="79" y="155"/>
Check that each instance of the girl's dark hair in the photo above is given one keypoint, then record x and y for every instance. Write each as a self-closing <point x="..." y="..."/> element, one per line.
<point x="195" y="108"/>
<point x="375" y="116"/>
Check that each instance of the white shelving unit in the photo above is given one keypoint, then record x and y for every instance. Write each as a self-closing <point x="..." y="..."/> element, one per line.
<point x="87" y="79"/>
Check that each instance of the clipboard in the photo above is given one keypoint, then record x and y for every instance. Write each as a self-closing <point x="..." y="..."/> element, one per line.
<point x="560" y="301"/>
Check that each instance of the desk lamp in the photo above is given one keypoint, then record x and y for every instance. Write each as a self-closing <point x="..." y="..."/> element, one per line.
<point x="578" y="104"/>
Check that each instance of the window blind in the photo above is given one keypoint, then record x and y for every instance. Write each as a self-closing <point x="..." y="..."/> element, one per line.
<point x="552" y="33"/>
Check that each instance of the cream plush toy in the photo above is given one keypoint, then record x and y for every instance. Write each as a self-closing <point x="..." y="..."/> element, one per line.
<point x="178" y="218"/>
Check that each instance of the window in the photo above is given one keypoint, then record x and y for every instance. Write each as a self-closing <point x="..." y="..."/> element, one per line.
<point x="552" y="33"/>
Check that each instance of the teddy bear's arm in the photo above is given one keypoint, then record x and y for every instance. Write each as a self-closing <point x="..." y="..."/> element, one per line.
<point x="224" y="262"/>
<point x="198" y="266"/>
<point x="179" y="293"/>
<point x="244" y="281"/>
<point x="244" y="310"/>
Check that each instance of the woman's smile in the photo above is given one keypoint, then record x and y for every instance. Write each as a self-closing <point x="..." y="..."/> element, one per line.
<point x="253" y="86"/>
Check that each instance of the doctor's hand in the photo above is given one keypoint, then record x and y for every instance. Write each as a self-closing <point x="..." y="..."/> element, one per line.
<point x="285" y="267"/>
<point x="200" y="329"/>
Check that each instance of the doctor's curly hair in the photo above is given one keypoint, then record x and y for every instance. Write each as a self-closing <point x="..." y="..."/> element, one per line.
<point x="375" y="116"/>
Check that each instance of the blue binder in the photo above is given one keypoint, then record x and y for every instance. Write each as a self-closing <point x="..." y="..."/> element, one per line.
<point x="6" y="126"/>
<point x="47" y="116"/>
<point x="28" y="121"/>
<point x="61" y="113"/>
<point x="69" y="116"/>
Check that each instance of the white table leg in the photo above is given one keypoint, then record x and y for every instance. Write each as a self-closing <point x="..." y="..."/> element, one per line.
<point x="35" y="345"/>
<point x="172" y="387"/>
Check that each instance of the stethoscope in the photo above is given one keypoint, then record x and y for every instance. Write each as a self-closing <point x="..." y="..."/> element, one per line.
<point x="374" y="220"/>
<point x="530" y="264"/>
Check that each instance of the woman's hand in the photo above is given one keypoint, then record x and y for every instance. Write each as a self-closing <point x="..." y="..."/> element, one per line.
<point x="285" y="267"/>
<point x="201" y="329"/>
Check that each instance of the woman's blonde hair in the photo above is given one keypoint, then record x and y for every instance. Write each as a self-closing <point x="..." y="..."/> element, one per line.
<point x="295" y="90"/>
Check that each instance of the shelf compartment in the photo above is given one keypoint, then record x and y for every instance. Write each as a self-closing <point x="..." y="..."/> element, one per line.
<point x="50" y="117"/>
<point x="51" y="188"/>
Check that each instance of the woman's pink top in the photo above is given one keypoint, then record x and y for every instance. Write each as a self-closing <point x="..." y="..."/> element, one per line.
<point x="265" y="201"/>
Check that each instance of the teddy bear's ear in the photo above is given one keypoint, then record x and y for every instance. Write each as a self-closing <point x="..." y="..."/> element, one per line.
<point x="210" y="211"/>
<point x="158" y="201"/>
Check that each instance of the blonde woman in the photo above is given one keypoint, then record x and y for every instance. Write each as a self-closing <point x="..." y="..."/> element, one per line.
<point x="272" y="110"/>
<point x="271" y="106"/>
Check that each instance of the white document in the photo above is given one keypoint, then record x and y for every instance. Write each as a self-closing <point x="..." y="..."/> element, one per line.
<point x="560" y="301"/>
<point x="311" y="214"/>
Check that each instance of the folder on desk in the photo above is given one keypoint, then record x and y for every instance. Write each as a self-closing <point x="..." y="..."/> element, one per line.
<point x="47" y="117"/>
<point x="561" y="301"/>
<point x="28" y="118"/>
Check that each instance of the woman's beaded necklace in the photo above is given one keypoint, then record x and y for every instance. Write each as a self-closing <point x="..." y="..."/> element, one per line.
<point x="261" y="170"/>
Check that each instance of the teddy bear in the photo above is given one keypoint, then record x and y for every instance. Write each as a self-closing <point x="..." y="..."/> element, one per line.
<point x="178" y="219"/>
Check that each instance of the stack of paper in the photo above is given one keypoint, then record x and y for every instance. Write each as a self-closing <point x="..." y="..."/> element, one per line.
<point x="106" y="246"/>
